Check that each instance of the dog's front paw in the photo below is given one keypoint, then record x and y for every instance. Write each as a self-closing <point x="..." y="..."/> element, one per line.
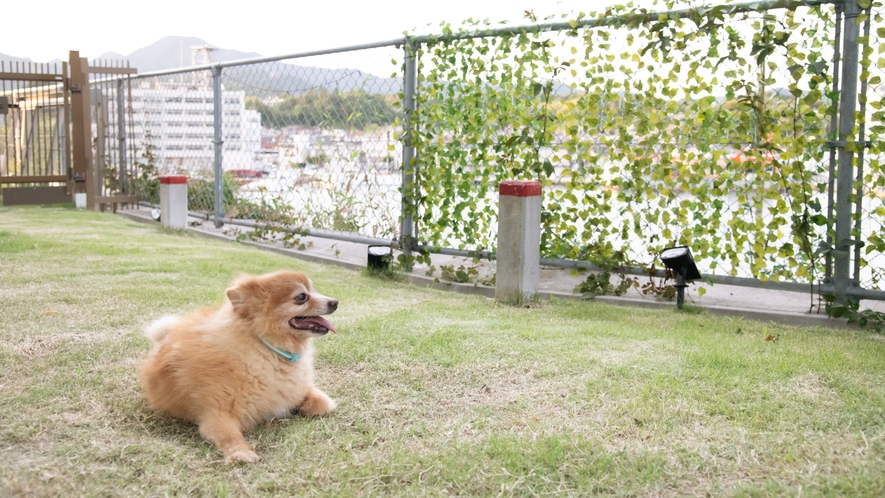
<point x="247" y="456"/>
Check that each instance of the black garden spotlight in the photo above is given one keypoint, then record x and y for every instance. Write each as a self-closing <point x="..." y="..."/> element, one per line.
<point x="379" y="257"/>
<point x="679" y="260"/>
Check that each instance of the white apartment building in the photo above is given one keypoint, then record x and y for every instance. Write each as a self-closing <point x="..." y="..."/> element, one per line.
<point x="176" y="121"/>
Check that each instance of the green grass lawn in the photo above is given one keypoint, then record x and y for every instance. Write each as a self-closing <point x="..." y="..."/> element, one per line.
<point x="439" y="393"/>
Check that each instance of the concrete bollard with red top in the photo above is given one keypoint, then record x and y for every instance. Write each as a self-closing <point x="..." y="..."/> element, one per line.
<point x="173" y="201"/>
<point x="519" y="241"/>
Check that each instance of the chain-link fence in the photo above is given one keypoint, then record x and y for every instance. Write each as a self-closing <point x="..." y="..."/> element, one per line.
<point x="719" y="127"/>
<point x="173" y="132"/>
<point x="869" y="263"/>
<point x="330" y="150"/>
<point x="645" y="132"/>
<point x="715" y="127"/>
<point x="301" y="144"/>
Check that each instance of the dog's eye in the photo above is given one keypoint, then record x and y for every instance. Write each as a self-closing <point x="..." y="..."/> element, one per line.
<point x="301" y="298"/>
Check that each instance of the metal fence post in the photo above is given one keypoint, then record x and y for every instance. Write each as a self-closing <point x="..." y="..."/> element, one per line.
<point x="121" y="137"/>
<point x="834" y="137"/>
<point x="861" y="139"/>
<point x="410" y="76"/>
<point x="219" y="179"/>
<point x="845" y="178"/>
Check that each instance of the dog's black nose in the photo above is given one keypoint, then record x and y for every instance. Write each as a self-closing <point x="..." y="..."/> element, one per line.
<point x="333" y="305"/>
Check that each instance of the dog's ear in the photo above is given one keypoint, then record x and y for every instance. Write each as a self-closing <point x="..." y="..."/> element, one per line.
<point x="238" y="300"/>
<point x="243" y="297"/>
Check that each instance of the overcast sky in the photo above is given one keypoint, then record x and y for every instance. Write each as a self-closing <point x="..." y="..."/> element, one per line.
<point x="48" y="29"/>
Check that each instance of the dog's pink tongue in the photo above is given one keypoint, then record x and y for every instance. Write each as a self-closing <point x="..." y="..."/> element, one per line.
<point x="310" y="322"/>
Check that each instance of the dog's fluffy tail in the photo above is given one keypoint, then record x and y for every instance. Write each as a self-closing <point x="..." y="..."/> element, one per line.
<point x="157" y="331"/>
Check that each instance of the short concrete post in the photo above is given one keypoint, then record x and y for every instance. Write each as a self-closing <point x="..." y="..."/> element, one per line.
<point x="519" y="240"/>
<point x="173" y="201"/>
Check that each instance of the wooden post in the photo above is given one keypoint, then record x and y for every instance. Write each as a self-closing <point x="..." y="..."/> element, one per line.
<point x="81" y="133"/>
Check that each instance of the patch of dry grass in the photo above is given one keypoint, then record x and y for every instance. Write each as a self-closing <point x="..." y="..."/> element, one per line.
<point x="439" y="393"/>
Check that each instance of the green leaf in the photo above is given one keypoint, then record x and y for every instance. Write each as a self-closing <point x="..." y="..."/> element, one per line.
<point x="537" y="88"/>
<point x="819" y="220"/>
<point x="836" y="311"/>
<point x="819" y="68"/>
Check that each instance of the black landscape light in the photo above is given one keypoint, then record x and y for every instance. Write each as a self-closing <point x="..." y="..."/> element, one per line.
<point x="680" y="261"/>
<point x="379" y="257"/>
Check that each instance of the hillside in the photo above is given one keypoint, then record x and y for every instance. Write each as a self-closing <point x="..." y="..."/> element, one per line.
<point x="259" y="80"/>
<point x="173" y="52"/>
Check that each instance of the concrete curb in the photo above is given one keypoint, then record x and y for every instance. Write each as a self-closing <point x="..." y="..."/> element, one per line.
<point x="782" y="317"/>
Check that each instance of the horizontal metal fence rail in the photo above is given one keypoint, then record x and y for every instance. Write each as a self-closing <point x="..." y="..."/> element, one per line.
<point x="277" y="58"/>
<point x="276" y="227"/>
<point x="735" y="8"/>
<point x="550" y="262"/>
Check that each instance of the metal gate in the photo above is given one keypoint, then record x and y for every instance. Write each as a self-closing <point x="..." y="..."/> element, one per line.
<point x="34" y="119"/>
<point x="63" y="130"/>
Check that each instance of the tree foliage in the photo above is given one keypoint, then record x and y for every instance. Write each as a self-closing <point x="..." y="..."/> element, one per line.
<point x="354" y="110"/>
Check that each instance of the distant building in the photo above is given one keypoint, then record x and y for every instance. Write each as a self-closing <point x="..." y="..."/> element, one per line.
<point x="176" y="121"/>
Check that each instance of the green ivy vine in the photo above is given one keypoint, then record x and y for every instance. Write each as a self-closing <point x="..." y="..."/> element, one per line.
<point x="708" y="128"/>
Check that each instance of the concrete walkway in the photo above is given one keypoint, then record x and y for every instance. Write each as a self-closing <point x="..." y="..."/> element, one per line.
<point x="752" y="303"/>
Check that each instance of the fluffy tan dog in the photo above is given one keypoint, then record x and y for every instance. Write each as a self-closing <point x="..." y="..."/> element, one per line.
<point x="230" y="368"/>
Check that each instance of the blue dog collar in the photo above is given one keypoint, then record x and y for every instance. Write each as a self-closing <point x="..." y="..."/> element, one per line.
<point x="292" y="357"/>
